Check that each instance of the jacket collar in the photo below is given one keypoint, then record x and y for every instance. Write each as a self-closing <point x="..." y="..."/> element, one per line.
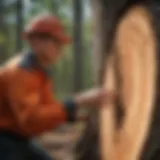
<point x="30" y="62"/>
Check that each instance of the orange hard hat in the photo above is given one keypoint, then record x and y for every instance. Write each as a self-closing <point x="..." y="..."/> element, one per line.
<point x="49" y="24"/>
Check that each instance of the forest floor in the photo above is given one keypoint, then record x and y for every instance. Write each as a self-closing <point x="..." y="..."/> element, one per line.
<point x="60" y="143"/>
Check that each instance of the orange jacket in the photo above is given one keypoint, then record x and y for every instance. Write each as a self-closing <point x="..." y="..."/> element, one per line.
<point x="27" y="106"/>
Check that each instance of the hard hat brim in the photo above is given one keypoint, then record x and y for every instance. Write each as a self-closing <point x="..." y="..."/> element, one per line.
<point x="62" y="38"/>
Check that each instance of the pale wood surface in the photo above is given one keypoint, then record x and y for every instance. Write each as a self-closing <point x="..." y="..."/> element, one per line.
<point x="134" y="51"/>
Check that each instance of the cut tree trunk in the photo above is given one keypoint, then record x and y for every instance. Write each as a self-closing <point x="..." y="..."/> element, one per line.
<point x="124" y="52"/>
<point x="131" y="72"/>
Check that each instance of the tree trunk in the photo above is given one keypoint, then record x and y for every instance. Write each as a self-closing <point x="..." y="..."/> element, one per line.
<point x="88" y="145"/>
<point x="3" y="32"/>
<point x="101" y="29"/>
<point x="108" y="14"/>
<point x="19" y="10"/>
<point x="77" y="44"/>
<point x="132" y="74"/>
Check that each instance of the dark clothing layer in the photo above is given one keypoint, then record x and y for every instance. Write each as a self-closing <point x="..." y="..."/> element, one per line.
<point x="14" y="147"/>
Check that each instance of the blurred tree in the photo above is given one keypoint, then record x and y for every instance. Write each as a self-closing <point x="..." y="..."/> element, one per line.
<point x="19" y="22"/>
<point x="88" y="64"/>
<point x="88" y="146"/>
<point x="77" y="44"/>
<point x="5" y="11"/>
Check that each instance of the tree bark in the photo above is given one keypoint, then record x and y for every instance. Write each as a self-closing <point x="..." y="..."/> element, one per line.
<point x="88" y="145"/>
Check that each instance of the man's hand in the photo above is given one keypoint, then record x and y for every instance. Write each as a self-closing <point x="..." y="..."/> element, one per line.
<point x="94" y="97"/>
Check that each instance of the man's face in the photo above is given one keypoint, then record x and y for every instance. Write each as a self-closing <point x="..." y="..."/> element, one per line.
<point x="44" y="46"/>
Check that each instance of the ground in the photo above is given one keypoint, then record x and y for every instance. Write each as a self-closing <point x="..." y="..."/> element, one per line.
<point x="61" y="142"/>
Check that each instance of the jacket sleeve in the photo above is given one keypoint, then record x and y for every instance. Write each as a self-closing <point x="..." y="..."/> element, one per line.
<point x="69" y="103"/>
<point x="32" y="114"/>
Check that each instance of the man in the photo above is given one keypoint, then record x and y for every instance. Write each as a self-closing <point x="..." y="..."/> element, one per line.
<point x="27" y="106"/>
